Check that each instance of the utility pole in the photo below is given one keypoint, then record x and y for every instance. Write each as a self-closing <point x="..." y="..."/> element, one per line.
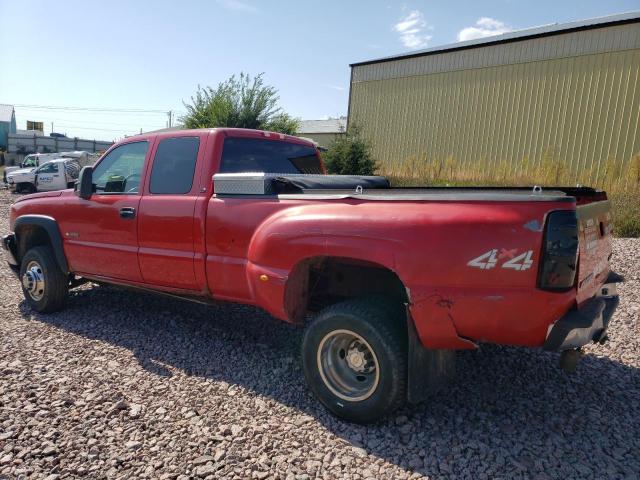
<point x="170" y="114"/>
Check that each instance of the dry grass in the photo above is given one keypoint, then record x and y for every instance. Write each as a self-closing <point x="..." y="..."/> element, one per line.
<point x="622" y="184"/>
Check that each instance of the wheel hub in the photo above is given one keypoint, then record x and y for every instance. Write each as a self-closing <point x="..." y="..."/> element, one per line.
<point x="348" y="365"/>
<point x="33" y="281"/>
<point x="359" y="358"/>
<point x="355" y="360"/>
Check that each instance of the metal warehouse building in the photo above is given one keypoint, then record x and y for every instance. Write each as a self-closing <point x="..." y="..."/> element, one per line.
<point x="569" y="92"/>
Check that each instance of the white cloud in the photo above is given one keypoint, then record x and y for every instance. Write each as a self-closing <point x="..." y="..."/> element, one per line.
<point x="411" y="29"/>
<point x="335" y="87"/>
<point x="237" y="5"/>
<point x="484" y="27"/>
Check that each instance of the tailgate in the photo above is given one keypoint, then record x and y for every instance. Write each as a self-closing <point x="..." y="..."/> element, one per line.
<point x="594" y="240"/>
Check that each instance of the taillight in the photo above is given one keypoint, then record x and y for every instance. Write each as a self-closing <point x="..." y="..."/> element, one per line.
<point x="559" y="251"/>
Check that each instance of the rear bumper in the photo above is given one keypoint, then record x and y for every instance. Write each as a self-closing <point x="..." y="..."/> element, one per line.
<point x="9" y="246"/>
<point x="588" y="323"/>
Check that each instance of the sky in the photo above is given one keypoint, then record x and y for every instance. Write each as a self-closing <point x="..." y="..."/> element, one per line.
<point x="114" y="68"/>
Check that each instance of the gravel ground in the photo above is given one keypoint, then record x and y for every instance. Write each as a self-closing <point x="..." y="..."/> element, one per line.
<point x="126" y="385"/>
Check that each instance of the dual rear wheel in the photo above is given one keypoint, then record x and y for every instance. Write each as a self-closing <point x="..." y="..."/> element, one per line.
<point x="354" y="357"/>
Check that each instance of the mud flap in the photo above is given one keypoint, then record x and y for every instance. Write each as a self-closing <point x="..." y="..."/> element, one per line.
<point x="428" y="369"/>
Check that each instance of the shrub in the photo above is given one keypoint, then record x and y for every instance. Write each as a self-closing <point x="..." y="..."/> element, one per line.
<point x="350" y="154"/>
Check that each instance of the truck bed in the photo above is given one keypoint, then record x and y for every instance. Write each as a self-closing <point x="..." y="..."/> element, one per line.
<point x="375" y="188"/>
<point x="436" y="194"/>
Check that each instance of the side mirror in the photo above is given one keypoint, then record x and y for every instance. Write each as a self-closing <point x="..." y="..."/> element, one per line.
<point x="84" y="185"/>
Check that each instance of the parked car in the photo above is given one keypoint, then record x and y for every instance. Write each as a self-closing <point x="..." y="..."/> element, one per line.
<point x="388" y="282"/>
<point x="54" y="175"/>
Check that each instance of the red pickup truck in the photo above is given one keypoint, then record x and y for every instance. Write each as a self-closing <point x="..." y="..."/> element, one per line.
<point x="388" y="282"/>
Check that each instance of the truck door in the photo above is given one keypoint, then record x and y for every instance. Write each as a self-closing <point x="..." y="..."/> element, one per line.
<point x="166" y="221"/>
<point x="101" y="233"/>
<point x="46" y="175"/>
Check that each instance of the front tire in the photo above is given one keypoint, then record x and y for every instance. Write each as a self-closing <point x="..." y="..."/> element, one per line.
<point x="354" y="357"/>
<point x="44" y="285"/>
<point x="25" y="188"/>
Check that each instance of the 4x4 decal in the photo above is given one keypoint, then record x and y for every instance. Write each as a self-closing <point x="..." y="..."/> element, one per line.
<point x="511" y="260"/>
<point x="485" y="261"/>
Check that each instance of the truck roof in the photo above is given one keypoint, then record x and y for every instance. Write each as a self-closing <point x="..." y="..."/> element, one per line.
<point x="60" y="160"/>
<point x="231" y="132"/>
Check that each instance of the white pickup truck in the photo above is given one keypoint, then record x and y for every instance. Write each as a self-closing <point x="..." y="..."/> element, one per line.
<point x="30" y="162"/>
<point x="53" y="175"/>
<point x="34" y="160"/>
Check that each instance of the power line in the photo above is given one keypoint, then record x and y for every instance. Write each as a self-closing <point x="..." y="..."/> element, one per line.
<point x="91" y="109"/>
<point x="63" y="126"/>
<point x="48" y="119"/>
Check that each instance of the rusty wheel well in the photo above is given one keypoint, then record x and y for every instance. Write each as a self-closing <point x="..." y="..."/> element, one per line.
<point x="318" y="282"/>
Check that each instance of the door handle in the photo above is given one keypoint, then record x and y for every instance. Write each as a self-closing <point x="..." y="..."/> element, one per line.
<point x="127" y="212"/>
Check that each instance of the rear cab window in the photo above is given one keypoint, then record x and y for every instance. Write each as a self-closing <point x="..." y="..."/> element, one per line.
<point x="174" y="166"/>
<point x="240" y="155"/>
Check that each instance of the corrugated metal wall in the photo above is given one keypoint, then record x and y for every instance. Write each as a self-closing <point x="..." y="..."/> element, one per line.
<point x="40" y="143"/>
<point x="572" y="98"/>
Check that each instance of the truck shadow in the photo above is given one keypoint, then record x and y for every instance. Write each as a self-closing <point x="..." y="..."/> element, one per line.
<point x="510" y="407"/>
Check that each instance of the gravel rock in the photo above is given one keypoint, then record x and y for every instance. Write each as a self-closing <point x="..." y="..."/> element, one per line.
<point x="203" y="460"/>
<point x="205" y="470"/>
<point x="129" y="385"/>
<point x="135" y="410"/>
<point x="218" y="455"/>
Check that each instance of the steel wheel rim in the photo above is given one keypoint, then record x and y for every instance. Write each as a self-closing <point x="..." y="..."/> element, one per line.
<point x="33" y="281"/>
<point x="348" y="365"/>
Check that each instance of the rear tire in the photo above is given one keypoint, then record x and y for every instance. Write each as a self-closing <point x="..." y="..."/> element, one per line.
<point x="44" y="285"/>
<point x="354" y="356"/>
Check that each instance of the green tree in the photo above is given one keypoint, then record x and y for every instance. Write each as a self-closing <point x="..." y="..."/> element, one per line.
<point x="350" y="154"/>
<point x="242" y="102"/>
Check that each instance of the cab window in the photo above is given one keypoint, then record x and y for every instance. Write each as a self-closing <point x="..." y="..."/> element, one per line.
<point x="268" y="156"/>
<point x="48" y="168"/>
<point x="120" y="171"/>
<point x="174" y="165"/>
<point x="30" y="161"/>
